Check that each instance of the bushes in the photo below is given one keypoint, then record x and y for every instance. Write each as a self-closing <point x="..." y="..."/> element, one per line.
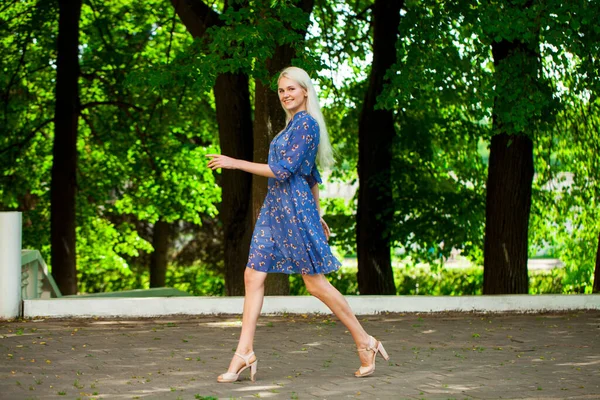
<point x="196" y="280"/>
<point x="409" y="281"/>
<point x="545" y="282"/>
<point x="201" y="281"/>
<point x="445" y="282"/>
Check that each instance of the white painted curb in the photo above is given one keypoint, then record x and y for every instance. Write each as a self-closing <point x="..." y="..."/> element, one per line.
<point x="361" y="305"/>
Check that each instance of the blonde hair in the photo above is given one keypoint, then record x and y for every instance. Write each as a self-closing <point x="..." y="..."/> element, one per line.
<point x="298" y="75"/>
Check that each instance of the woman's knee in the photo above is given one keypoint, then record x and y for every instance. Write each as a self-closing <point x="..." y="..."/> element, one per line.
<point x="316" y="285"/>
<point x="254" y="278"/>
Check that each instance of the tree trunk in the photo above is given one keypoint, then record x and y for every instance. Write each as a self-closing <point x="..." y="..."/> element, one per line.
<point x="269" y="119"/>
<point x="64" y="153"/>
<point x="508" y="202"/>
<point x="596" y="287"/>
<point x="375" y="136"/>
<point x="508" y="198"/>
<point x="158" y="259"/>
<point x="234" y="117"/>
<point x="232" y="98"/>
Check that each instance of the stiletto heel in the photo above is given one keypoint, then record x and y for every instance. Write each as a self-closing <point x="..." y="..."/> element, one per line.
<point x="376" y="347"/>
<point x="229" y="377"/>
<point x="253" y="368"/>
<point x="382" y="351"/>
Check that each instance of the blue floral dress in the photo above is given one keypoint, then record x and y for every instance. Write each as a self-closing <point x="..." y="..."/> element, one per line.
<point x="288" y="236"/>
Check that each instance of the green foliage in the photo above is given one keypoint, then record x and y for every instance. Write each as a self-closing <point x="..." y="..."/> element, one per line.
<point x="341" y="220"/>
<point x="147" y="119"/>
<point x="446" y="282"/>
<point x="200" y="280"/>
<point x="141" y="148"/>
<point x="550" y="282"/>
<point x="411" y="280"/>
<point x="444" y="88"/>
<point x="246" y="35"/>
<point x="565" y="211"/>
<point x="27" y="43"/>
<point x="440" y="92"/>
<point x="439" y="191"/>
<point x="340" y="38"/>
<point x="102" y="245"/>
<point x="157" y="140"/>
<point x="196" y="280"/>
<point x="251" y="33"/>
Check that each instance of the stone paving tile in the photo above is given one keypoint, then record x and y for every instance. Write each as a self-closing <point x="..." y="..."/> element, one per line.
<point x="433" y="356"/>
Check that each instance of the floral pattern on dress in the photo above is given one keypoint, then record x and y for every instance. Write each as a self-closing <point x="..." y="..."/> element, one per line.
<point x="288" y="236"/>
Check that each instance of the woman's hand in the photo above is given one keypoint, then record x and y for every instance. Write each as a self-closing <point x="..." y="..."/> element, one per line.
<point x="325" y="228"/>
<point x="221" y="161"/>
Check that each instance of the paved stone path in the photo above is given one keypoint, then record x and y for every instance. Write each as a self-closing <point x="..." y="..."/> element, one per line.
<point x="439" y="356"/>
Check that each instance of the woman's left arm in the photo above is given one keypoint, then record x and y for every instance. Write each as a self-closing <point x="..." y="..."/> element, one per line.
<point x="315" y="192"/>
<point x="221" y="161"/>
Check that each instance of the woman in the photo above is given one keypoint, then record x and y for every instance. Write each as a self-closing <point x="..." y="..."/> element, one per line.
<point x="289" y="236"/>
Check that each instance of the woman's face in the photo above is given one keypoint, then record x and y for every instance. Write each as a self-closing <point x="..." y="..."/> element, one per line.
<point x="291" y="95"/>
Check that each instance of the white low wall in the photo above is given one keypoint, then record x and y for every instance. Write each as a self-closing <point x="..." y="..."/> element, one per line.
<point x="361" y="305"/>
<point x="10" y="264"/>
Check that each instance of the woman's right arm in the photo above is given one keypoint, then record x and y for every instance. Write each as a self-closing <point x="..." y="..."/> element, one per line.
<point x="221" y="161"/>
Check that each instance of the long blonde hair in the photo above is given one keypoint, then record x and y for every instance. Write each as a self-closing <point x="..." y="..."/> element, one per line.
<point x="298" y="75"/>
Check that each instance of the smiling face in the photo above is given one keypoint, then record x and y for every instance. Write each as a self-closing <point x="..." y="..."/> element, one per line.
<point x="291" y="95"/>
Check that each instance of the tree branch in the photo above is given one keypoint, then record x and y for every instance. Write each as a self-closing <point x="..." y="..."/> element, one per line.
<point x="26" y="12"/>
<point x="171" y="35"/>
<point x="362" y="15"/>
<point x="196" y="16"/>
<point x="142" y="137"/>
<point x="90" y="125"/>
<point x="94" y="75"/>
<point x="9" y="5"/>
<point x="14" y="75"/>
<point x="27" y="138"/>
<point x="119" y="104"/>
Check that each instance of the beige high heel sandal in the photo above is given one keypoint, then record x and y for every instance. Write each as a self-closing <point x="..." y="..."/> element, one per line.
<point x="229" y="377"/>
<point x="376" y="347"/>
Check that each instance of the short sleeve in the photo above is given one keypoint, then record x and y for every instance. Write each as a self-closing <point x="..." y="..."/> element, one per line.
<point x="300" y="147"/>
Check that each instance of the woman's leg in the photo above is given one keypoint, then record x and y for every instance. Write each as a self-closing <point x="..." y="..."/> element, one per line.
<point x="319" y="286"/>
<point x="254" y="282"/>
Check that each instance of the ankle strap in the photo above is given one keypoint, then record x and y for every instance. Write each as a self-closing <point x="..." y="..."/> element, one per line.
<point x="367" y="349"/>
<point x="372" y="345"/>
<point x="246" y="357"/>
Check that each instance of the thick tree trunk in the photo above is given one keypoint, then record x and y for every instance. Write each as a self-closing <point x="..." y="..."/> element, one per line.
<point x="234" y="116"/>
<point x="508" y="198"/>
<point x="508" y="202"/>
<point x="64" y="153"/>
<point x="159" y="258"/>
<point x="232" y="98"/>
<point x="375" y="136"/>
<point x="269" y="119"/>
<point x="596" y="287"/>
